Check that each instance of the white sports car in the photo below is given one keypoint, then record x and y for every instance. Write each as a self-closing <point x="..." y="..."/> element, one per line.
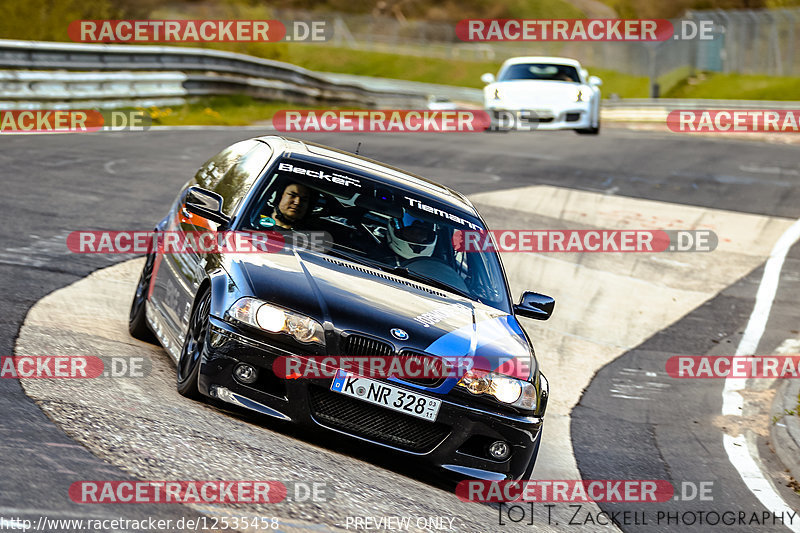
<point x="549" y="93"/>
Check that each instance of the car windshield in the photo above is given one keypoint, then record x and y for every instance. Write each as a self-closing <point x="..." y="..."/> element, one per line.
<point x="388" y="228"/>
<point x="540" y="71"/>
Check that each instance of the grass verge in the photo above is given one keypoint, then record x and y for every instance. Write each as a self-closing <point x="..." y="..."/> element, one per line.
<point x="737" y="87"/>
<point x="219" y="111"/>
<point x="433" y="70"/>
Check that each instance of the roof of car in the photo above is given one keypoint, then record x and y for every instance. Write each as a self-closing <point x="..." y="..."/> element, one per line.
<point x="542" y="59"/>
<point x="381" y="172"/>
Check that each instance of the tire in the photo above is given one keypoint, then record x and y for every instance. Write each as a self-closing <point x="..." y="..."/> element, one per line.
<point x="137" y="321"/>
<point x="195" y="346"/>
<point x="589" y="131"/>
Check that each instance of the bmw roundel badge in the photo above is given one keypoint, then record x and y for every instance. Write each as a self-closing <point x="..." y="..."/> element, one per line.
<point x="399" y="334"/>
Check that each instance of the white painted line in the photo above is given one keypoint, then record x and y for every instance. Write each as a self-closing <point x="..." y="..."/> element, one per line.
<point x="770" y="170"/>
<point x="732" y="401"/>
<point x="739" y="453"/>
<point x="766" y="291"/>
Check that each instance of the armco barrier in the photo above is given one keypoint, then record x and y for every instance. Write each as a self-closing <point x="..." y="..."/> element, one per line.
<point x="656" y="110"/>
<point x="151" y="75"/>
<point x="206" y="71"/>
<point x="39" y="89"/>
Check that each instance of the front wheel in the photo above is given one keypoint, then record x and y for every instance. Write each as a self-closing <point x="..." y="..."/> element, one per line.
<point x="195" y="346"/>
<point x="137" y="322"/>
<point x="589" y="131"/>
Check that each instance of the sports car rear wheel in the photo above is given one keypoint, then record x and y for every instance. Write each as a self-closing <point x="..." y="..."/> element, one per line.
<point x="137" y="323"/>
<point x="194" y="347"/>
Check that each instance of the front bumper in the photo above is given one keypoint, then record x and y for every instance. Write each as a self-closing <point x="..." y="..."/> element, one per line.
<point x="457" y="442"/>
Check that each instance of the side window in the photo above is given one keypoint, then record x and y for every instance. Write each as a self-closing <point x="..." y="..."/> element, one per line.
<point x="212" y="172"/>
<point x="238" y="180"/>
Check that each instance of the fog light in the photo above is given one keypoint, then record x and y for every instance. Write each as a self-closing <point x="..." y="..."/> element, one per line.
<point x="245" y="373"/>
<point x="499" y="450"/>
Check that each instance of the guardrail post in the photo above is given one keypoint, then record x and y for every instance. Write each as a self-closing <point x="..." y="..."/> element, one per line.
<point x="652" y="52"/>
<point x="790" y="47"/>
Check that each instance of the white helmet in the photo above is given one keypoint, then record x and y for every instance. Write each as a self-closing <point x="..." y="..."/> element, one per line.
<point x="411" y="237"/>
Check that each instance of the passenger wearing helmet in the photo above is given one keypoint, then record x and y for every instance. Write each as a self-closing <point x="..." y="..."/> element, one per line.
<point x="410" y="237"/>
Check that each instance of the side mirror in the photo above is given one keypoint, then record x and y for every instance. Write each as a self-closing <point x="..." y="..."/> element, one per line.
<point x="206" y="204"/>
<point x="487" y="78"/>
<point x="535" y="305"/>
<point x="594" y="80"/>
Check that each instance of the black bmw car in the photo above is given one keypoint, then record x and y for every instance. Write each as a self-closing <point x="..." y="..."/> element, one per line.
<point x="387" y="282"/>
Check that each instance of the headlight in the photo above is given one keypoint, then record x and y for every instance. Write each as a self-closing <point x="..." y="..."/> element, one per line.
<point x="274" y="319"/>
<point x="506" y="389"/>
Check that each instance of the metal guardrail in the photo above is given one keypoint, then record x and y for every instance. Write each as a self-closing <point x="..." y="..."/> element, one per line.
<point x="206" y="71"/>
<point x="199" y="72"/>
<point x="679" y="103"/>
<point x="657" y="110"/>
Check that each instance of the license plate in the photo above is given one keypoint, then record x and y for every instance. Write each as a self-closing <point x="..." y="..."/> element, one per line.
<point x="385" y="395"/>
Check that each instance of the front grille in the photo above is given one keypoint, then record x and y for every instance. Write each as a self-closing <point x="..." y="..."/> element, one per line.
<point x="358" y="345"/>
<point x="375" y="423"/>
<point x="354" y="345"/>
<point x="573" y="117"/>
<point x="436" y="368"/>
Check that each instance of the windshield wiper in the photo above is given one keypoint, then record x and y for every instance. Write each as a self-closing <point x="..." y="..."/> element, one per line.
<point x="355" y="258"/>
<point x="406" y="273"/>
<point x="399" y="271"/>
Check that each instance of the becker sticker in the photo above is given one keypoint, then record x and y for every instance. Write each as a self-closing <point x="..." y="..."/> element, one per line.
<point x="339" y="179"/>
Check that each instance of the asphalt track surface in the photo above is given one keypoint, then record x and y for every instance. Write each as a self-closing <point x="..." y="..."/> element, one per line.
<point x="56" y="184"/>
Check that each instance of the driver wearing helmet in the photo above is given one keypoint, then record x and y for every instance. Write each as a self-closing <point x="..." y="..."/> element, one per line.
<point x="411" y="237"/>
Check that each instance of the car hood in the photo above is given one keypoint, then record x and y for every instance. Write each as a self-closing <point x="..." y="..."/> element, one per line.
<point x="531" y="94"/>
<point x="355" y="298"/>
